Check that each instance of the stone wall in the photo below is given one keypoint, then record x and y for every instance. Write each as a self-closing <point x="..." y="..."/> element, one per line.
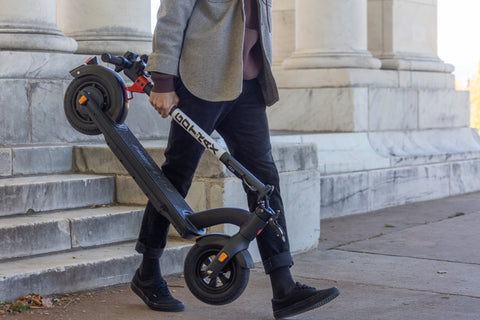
<point x="363" y="75"/>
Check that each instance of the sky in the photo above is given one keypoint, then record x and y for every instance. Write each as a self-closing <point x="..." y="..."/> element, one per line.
<point x="458" y="34"/>
<point x="155" y="5"/>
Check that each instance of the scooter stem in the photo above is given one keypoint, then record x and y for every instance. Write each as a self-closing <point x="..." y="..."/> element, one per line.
<point x="218" y="151"/>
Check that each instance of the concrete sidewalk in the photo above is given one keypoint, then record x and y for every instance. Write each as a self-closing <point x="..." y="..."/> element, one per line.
<point x="418" y="261"/>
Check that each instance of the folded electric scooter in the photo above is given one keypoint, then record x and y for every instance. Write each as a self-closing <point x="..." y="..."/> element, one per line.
<point x="217" y="267"/>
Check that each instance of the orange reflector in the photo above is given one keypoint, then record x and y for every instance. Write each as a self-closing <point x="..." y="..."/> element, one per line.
<point x="82" y="100"/>
<point x="222" y="257"/>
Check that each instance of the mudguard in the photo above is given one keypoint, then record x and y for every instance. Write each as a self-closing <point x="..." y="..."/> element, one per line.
<point x="243" y="257"/>
<point x="98" y="70"/>
<point x="106" y="74"/>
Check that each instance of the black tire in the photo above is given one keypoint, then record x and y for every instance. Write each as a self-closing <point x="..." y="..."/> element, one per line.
<point x="114" y="104"/>
<point x="225" y="288"/>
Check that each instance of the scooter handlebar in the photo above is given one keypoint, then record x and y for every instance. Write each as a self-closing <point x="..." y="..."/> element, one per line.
<point x="116" y="60"/>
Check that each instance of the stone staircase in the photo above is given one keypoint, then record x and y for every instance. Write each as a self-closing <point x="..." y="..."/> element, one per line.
<point x="70" y="215"/>
<point x="62" y="231"/>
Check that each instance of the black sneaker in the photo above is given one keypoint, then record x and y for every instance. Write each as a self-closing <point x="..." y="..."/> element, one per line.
<point x="155" y="294"/>
<point x="302" y="299"/>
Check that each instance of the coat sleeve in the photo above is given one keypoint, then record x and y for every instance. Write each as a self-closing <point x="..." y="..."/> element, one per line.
<point x="172" y="20"/>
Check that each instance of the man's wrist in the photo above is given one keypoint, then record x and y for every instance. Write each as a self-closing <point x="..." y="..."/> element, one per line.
<point x="162" y="82"/>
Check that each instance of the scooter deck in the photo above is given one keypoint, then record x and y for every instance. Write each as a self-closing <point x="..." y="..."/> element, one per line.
<point x="149" y="177"/>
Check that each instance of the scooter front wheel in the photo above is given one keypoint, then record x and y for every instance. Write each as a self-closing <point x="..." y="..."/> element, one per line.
<point x="109" y="87"/>
<point x="222" y="289"/>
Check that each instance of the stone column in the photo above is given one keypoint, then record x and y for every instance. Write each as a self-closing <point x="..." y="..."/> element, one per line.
<point x="331" y="34"/>
<point x="113" y="26"/>
<point x="29" y="25"/>
<point x="283" y="14"/>
<point x="403" y="35"/>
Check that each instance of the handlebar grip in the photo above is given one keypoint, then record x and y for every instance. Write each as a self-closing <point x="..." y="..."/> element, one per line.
<point x="148" y="88"/>
<point x="118" y="61"/>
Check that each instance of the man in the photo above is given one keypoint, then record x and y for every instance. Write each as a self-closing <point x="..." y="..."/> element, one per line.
<point x="212" y="58"/>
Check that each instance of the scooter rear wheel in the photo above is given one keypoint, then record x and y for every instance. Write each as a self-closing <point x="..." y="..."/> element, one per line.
<point x="114" y="104"/>
<point x="223" y="289"/>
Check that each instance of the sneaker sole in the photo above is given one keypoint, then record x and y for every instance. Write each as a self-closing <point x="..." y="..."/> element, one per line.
<point x="304" y="306"/>
<point x="155" y="306"/>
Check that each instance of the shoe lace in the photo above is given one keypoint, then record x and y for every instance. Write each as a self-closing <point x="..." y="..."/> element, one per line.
<point x="300" y="286"/>
<point x="162" y="287"/>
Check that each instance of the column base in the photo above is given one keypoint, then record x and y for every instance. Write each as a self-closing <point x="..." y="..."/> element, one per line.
<point x="37" y="42"/>
<point x="116" y="47"/>
<point x="100" y="41"/>
<point x="355" y="77"/>
<point x="415" y="63"/>
<point x="363" y="60"/>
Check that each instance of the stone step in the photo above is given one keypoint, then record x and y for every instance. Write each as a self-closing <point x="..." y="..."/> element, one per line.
<point x="81" y="269"/>
<point x="99" y="159"/>
<point x="214" y="186"/>
<point x="35" y="160"/>
<point x="35" y="234"/>
<point x="20" y="195"/>
<point x="210" y="176"/>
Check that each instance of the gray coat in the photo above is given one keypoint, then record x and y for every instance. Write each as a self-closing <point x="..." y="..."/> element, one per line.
<point x="201" y="41"/>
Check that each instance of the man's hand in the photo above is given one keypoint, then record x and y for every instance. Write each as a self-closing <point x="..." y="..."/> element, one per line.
<point x="163" y="102"/>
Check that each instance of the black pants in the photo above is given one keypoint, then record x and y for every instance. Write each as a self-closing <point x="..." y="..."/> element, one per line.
<point x="243" y="125"/>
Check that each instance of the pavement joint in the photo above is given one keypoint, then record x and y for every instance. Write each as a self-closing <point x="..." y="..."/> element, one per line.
<point x="404" y="256"/>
